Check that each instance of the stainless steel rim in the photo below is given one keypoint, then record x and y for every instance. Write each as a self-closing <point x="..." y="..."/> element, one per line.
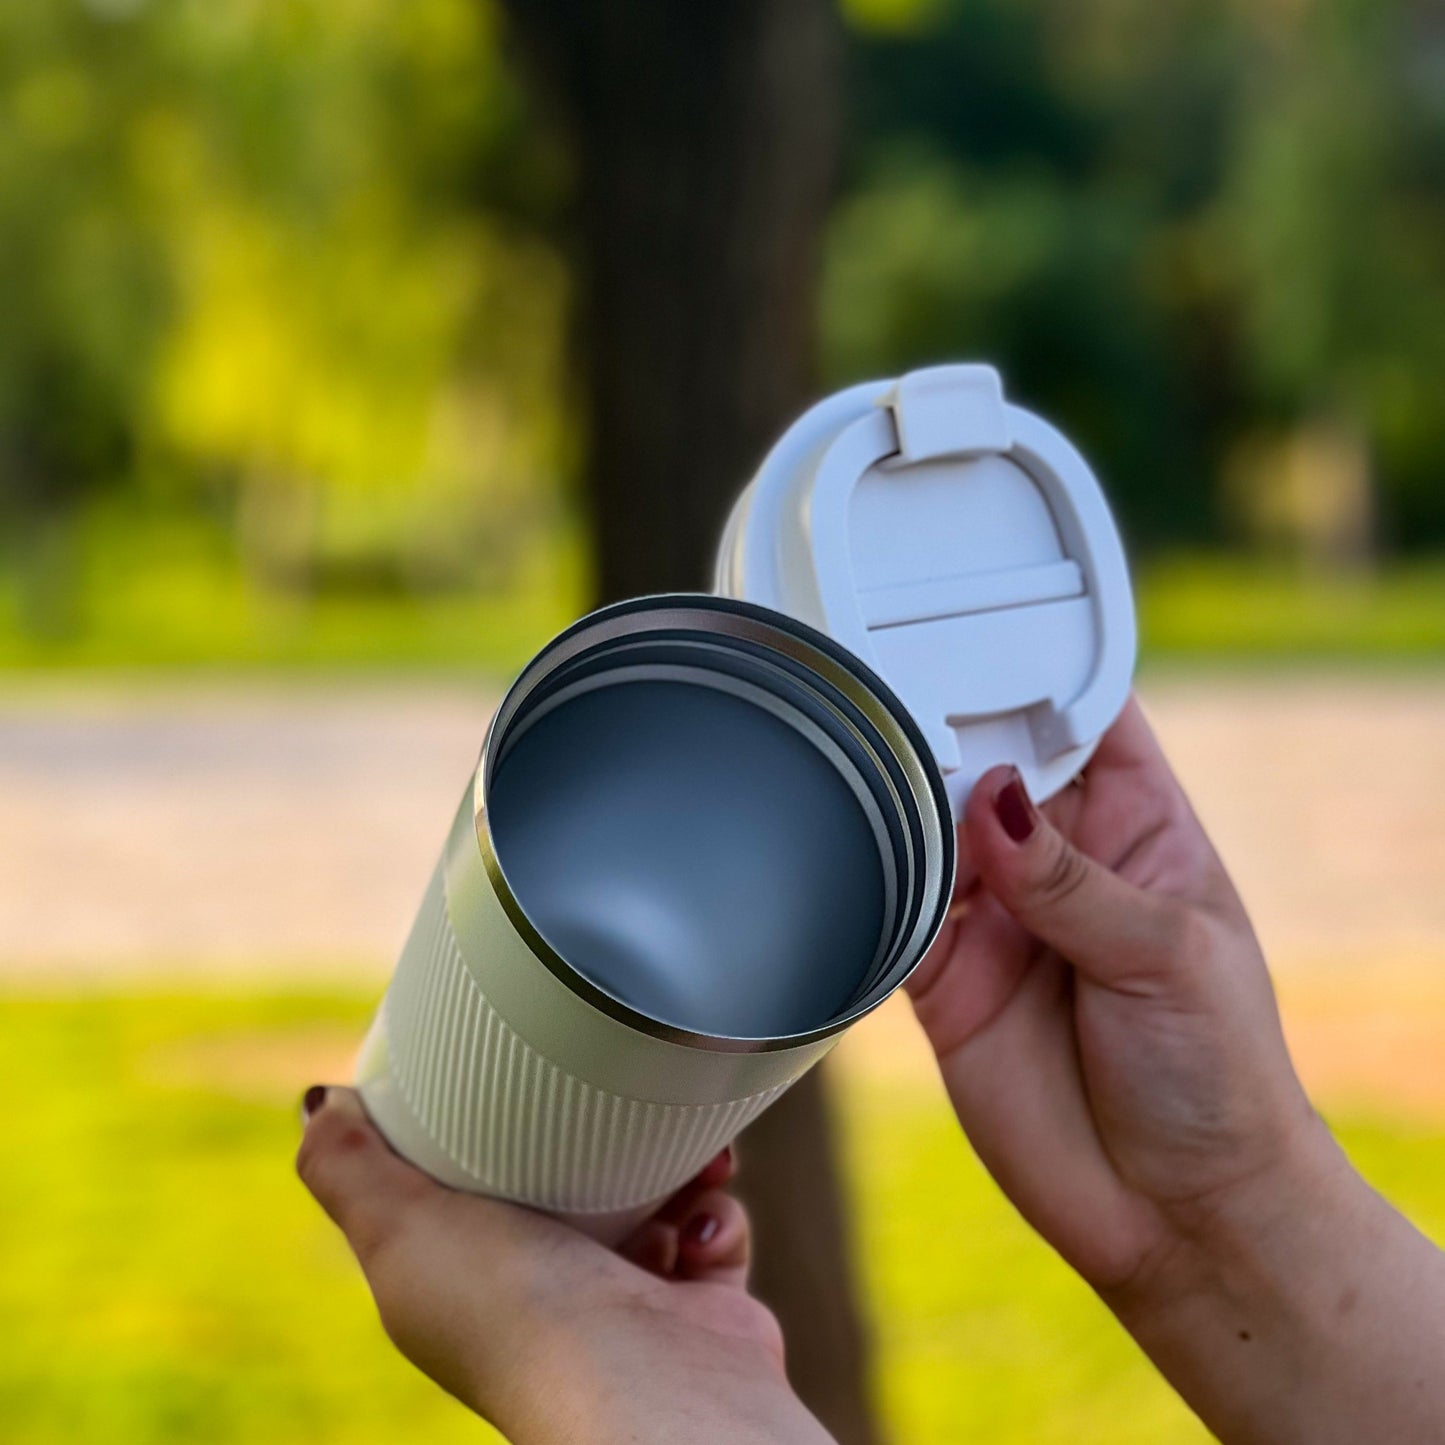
<point x="922" y="802"/>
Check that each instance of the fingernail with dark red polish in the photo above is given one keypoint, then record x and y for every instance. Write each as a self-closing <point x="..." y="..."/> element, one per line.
<point x="701" y="1229"/>
<point x="312" y="1100"/>
<point x="1015" y="812"/>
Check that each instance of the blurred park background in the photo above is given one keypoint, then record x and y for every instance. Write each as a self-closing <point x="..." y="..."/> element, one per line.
<point x="313" y="318"/>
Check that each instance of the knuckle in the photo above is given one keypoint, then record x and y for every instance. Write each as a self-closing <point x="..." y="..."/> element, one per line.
<point x="1186" y="935"/>
<point x="1065" y="872"/>
<point x="342" y="1132"/>
<point x="328" y="1136"/>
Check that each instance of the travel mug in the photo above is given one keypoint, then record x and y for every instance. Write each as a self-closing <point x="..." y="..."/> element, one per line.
<point x="702" y="840"/>
<point x="708" y="833"/>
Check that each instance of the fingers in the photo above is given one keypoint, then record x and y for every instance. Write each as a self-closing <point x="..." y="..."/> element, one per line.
<point x="710" y="1241"/>
<point x="1116" y="934"/>
<point x="652" y="1246"/>
<point x="713" y="1175"/>
<point x="470" y="1289"/>
<point x="701" y="1233"/>
<point x="718" y="1170"/>
<point x="955" y="1004"/>
<point x="353" y="1173"/>
<point x="715" y="1242"/>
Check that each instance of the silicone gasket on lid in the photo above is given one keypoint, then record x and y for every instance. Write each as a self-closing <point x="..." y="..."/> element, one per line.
<point x="961" y="547"/>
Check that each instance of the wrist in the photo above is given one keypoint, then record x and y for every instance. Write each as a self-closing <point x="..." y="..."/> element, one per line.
<point x="1253" y="1284"/>
<point x="1286" y="1213"/>
<point x="1271" y="1231"/>
<point x="614" y="1385"/>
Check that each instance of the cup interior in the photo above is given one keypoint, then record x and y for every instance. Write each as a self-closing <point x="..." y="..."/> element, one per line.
<point x="695" y="852"/>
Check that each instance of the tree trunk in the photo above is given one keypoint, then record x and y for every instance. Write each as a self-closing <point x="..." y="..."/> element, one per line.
<point x="706" y="138"/>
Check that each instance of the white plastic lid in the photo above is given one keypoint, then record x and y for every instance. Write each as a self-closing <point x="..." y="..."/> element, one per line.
<point x="962" y="548"/>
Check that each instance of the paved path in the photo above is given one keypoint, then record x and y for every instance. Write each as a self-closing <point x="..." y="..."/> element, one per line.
<point x="211" y="827"/>
<point x="203" y="829"/>
<point x="1326" y="797"/>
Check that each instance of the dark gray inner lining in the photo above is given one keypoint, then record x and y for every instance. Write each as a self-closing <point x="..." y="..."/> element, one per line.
<point x="692" y="854"/>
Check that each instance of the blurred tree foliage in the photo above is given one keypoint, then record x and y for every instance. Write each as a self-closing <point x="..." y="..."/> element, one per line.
<point x="285" y="259"/>
<point x="1203" y="235"/>
<point x="371" y="323"/>
<point x="83" y="273"/>
<point x="299" y="265"/>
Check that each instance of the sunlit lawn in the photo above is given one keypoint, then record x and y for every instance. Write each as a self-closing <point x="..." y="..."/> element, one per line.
<point x="1232" y="609"/>
<point x="169" y="592"/>
<point x="163" y="1277"/>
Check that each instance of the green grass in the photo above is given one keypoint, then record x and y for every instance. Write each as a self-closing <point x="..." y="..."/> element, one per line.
<point x="169" y="594"/>
<point x="163" y="1277"/>
<point x="1243" y="609"/>
<point x="983" y="1334"/>
<point x="165" y="590"/>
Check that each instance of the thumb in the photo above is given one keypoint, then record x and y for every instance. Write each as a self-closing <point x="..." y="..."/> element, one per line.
<point x="352" y="1171"/>
<point x="1111" y="931"/>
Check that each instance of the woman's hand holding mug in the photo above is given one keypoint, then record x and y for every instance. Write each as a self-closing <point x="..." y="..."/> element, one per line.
<point x="1107" y="1031"/>
<point x="545" y="1333"/>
